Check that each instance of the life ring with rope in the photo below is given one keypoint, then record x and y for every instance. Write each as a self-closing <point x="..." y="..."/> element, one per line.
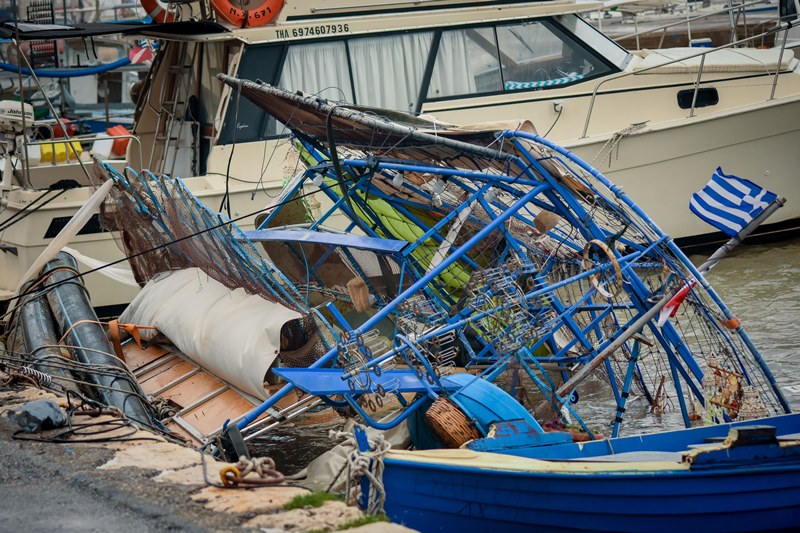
<point x="247" y="18"/>
<point x="158" y="11"/>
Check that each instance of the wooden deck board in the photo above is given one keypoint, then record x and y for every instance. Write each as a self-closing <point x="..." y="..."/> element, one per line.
<point x="159" y="377"/>
<point x="136" y="357"/>
<point x="192" y="389"/>
<point x="212" y="414"/>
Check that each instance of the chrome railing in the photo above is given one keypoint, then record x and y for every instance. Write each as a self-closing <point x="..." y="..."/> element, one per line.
<point x="71" y="156"/>
<point x="738" y="9"/>
<point x="702" y="53"/>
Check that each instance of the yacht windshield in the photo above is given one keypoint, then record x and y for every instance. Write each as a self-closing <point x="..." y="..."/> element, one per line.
<point x="524" y="56"/>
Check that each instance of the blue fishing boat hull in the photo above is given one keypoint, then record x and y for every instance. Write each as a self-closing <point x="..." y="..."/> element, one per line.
<point x="747" y="488"/>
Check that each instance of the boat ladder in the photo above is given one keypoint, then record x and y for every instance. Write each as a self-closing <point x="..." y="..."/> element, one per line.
<point x="174" y="99"/>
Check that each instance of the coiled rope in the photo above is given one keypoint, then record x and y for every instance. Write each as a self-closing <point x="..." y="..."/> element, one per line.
<point x="367" y="464"/>
<point x="263" y="468"/>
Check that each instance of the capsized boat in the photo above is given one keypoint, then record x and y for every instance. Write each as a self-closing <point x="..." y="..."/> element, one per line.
<point x="512" y="251"/>
<point x="503" y="246"/>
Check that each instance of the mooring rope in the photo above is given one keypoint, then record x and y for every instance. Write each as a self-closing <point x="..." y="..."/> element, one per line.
<point x="365" y="463"/>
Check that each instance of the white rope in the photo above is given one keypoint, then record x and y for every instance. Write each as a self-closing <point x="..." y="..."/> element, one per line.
<point x="358" y="466"/>
<point x="614" y="140"/>
<point x="262" y="466"/>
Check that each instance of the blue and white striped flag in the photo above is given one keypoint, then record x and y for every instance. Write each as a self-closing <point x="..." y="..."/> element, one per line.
<point x="729" y="203"/>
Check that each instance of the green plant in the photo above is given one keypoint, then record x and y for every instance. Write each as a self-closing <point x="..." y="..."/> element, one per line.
<point x="364" y="520"/>
<point x="312" y="499"/>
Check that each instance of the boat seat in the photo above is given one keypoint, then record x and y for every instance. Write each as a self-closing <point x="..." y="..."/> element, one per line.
<point x="635" y="457"/>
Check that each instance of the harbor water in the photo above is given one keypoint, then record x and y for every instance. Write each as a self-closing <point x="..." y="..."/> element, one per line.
<point x="761" y="285"/>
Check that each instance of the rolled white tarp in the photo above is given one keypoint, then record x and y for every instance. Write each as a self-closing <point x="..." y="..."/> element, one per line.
<point x="234" y="335"/>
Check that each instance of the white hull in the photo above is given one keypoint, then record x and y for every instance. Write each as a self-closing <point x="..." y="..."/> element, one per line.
<point x="25" y="241"/>
<point x="661" y="167"/>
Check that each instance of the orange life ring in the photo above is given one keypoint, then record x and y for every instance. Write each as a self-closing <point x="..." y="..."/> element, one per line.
<point x="247" y="18"/>
<point x="158" y="11"/>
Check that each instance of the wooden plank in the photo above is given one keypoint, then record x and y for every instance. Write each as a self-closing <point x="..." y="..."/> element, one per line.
<point x="192" y="389"/>
<point x="136" y="357"/>
<point x="164" y="375"/>
<point x="211" y="415"/>
<point x="178" y="430"/>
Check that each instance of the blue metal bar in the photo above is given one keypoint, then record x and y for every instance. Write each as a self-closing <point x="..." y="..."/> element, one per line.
<point x="359" y="242"/>
<point x="423" y="226"/>
<point x="425" y="363"/>
<point x="622" y="401"/>
<point x="383" y="426"/>
<point x="292" y="191"/>
<point x="441" y="171"/>
<point x="446" y="220"/>
<point x="553" y="396"/>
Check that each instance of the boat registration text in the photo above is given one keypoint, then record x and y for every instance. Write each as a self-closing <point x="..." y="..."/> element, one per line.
<point x="310" y="31"/>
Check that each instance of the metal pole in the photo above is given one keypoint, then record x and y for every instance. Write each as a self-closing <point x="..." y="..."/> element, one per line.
<point x="697" y="84"/>
<point x="723" y="250"/>
<point x="590" y="367"/>
<point x="52" y="109"/>
<point x="780" y="60"/>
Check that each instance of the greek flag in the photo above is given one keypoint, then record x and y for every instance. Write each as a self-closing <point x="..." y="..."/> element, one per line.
<point x="729" y="203"/>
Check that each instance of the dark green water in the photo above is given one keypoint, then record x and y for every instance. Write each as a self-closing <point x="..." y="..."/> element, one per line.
<point x="761" y="285"/>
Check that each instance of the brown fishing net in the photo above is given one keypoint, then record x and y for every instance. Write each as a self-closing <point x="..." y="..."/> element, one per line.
<point x="163" y="227"/>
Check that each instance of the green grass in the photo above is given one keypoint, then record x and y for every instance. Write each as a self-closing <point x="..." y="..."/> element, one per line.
<point x="313" y="499"/>
<point x="364" y="520"/>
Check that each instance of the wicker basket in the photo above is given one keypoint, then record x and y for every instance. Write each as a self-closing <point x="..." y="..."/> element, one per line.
<point x="449" y="423"/>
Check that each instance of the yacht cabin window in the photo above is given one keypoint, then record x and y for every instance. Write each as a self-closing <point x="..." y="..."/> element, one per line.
<point x="390" y="70"/>
<point x="529" y="56"/>
<point x="318" y="68"/>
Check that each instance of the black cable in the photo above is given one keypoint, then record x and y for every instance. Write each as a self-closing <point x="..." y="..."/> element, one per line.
<point x="553" y="125"/>
<point x="226" y="199"/>
<point x="23" y="213"/>
<point x="89" y="433"/>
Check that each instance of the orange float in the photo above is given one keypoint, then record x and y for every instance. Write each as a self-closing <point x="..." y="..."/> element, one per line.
<point x="120" y="146"/>
<point x="157" y="11"/>
<point x="247" y="18"/>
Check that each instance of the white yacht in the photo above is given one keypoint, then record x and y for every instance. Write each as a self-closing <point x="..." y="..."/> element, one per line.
<point x="656" y="122"/>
